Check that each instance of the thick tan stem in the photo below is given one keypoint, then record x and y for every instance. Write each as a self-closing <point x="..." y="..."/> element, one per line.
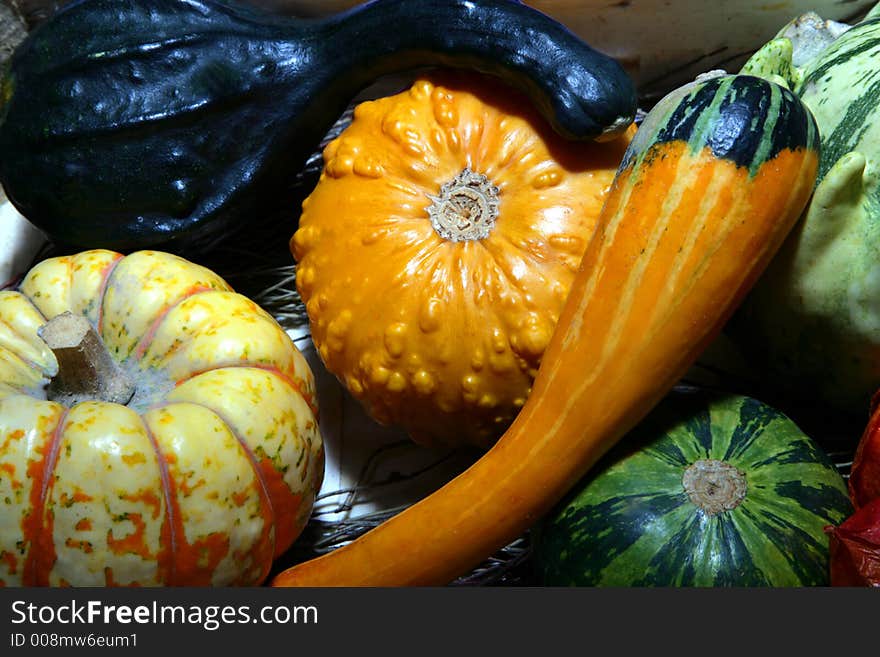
<point x="86" y="371"/>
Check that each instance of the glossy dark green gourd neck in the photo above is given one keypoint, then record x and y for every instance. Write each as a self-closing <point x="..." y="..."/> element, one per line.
<point x="138" y="123"/>
<point x="580" y="92"/>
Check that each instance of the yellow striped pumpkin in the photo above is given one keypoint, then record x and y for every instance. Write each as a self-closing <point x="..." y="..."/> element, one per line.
<point x="203" y="476"/>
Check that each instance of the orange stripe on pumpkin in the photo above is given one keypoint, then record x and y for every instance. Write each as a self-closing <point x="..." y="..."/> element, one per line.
<point x="37" y="526"/>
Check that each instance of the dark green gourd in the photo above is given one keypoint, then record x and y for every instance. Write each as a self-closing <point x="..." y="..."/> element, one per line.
<point x="133" y="123"/>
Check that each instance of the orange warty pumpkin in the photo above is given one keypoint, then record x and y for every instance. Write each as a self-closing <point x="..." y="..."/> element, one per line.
<point x="437" y="249"/>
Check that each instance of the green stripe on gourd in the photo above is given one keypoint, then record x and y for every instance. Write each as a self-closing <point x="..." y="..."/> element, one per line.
<point x="847" y="119"/>
<point x="710" y="490"/>
<point x="863" y="38"/>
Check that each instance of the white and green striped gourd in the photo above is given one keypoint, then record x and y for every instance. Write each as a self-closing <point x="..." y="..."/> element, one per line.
<point x="814" y="318"/>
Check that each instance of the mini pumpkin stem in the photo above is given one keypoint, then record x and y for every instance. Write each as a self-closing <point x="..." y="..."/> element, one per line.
<point x="466" y="207"/>
<point x="86" y="371"/>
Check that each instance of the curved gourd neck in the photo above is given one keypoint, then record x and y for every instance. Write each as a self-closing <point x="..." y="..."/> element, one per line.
<point x="562" y="75"/>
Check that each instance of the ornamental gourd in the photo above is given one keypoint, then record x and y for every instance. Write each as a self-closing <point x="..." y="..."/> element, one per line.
<point x="437" y="249"/>
<point x="710" y="186"/>
<point x="158" y="429"/>
<point x="811" y="324"/>
<point x="710" y="489"/>
<point x="155" y="121"/>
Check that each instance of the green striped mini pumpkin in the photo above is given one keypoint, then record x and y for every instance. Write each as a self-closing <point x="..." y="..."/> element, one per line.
<point x="709" y="490"/>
